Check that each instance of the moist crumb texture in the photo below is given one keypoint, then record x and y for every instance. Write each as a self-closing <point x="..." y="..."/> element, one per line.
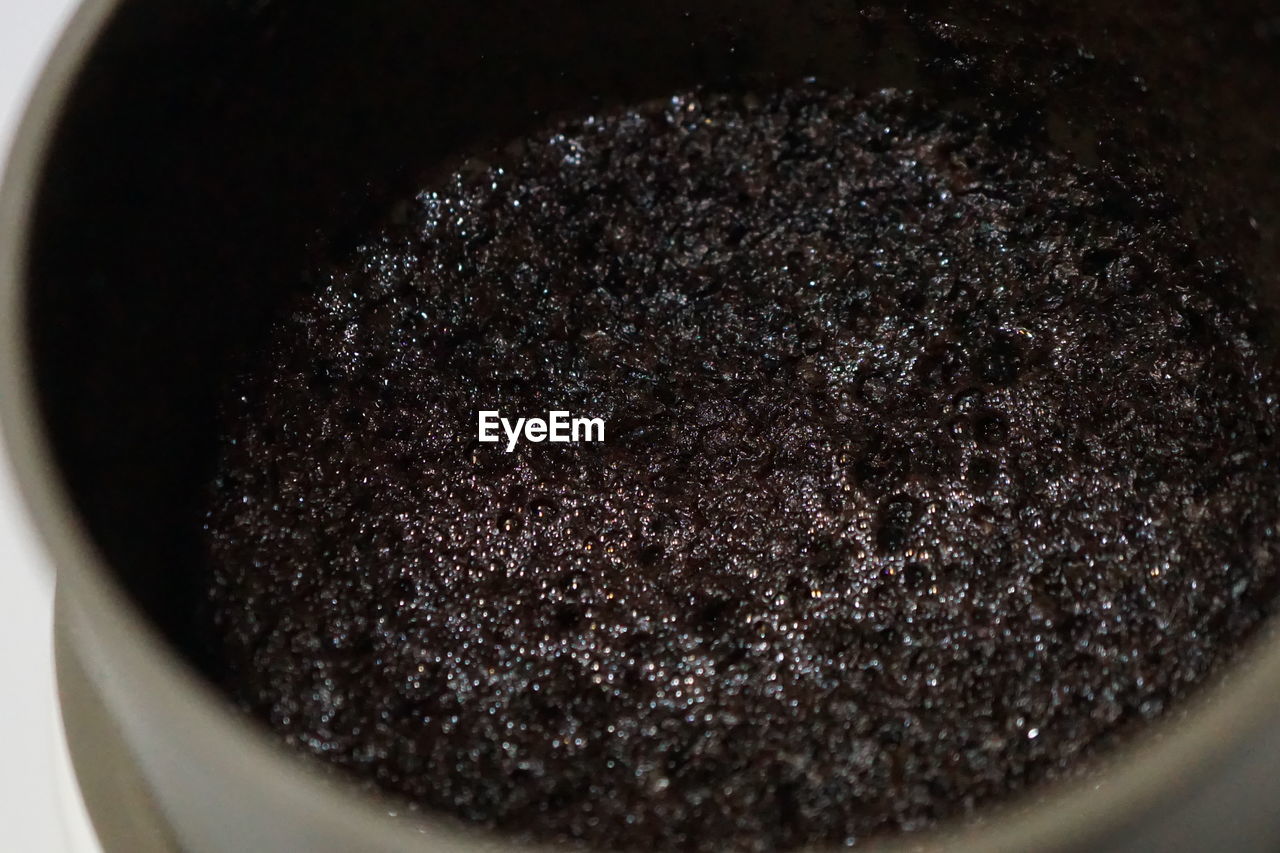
<point x="935" y="464"/>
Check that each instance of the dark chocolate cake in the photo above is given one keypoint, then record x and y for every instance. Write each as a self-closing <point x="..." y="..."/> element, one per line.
<point x="934" y="464"/>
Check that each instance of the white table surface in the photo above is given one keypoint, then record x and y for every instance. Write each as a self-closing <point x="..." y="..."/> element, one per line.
<point x="39" y="807"/>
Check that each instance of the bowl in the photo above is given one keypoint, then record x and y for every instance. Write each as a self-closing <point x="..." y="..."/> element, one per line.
<point x="180" y="163"/>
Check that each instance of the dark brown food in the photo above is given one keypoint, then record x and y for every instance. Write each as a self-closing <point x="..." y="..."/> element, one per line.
<point x="934" y="465"/>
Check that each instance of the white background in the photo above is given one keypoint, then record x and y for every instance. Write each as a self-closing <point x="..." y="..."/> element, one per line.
<point x="33" y="795"/>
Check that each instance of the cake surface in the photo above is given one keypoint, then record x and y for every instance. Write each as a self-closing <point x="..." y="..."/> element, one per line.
<point x="934" y="464"/>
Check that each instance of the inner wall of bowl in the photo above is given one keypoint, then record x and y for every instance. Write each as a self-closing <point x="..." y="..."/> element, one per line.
<point x="212" y="151"/>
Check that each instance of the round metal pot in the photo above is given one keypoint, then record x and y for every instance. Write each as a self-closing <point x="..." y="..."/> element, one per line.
<point x="181" y="163"/>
